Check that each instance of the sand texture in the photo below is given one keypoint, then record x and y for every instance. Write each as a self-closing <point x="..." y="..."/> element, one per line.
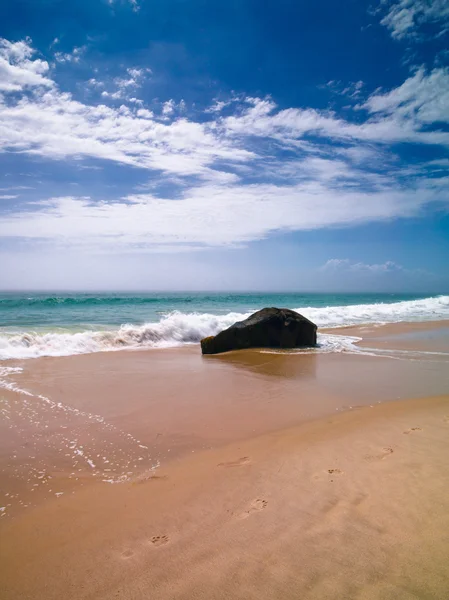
<point x="350" y="507"/>
<point x="280" y="477"/>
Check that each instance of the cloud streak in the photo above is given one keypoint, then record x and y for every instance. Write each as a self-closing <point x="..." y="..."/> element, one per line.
<point x="405" y="18"/>
<point x="207" y="216"/>
<point x="233" y="188"/>
<point x="345" y="264"/>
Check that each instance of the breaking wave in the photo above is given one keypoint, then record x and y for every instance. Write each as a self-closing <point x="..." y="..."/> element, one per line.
<point x="177" y="329"/>
<point x="426" y="309"/>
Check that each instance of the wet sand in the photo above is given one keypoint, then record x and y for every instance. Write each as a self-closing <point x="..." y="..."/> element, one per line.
<point x="271" y="484"/>
<point x="115" y="416"/>
<point x="354" y="506"/>
<point x="430" y="336"/>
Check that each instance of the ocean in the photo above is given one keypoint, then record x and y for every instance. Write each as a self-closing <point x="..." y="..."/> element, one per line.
<point x="61" y="324"/>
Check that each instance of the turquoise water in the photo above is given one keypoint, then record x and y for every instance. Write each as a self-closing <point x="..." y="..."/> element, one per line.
<point x="74" y="310"/>
<point x="42" y="324"/>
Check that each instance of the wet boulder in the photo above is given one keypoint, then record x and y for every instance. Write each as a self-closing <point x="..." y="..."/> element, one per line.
<point x="266" y="328"/>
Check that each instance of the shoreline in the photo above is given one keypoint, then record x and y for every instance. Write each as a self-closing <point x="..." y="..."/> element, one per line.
<point x="250" y="474"/>
<point x="171" y="331"/>
<point x="117" y="416"/>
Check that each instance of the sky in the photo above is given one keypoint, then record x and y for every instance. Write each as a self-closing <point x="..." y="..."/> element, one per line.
<point x="283" y="145"/>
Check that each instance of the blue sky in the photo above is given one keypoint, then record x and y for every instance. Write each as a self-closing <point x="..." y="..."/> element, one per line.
<point x="188" y="144"/>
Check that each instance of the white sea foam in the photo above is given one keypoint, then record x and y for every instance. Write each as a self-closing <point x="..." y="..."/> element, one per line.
<point x="426" y="309"/>
<point x="178" y="328"/>
<point x="326" y="343"/>
<point x="97" y="455"/>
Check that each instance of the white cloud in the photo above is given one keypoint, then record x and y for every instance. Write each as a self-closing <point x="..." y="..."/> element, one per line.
<point x="351" y="90"/>
<point x="70" y="57"/>
<point x="331" y="171"/>
<point x="16" y="187"/>
<point x="422" y="99"/>
<point x="95" y="83"/>
<point x="440" y="164"/>
<point x="17" y="71"/>
<point x="365" y="155"/>
<point x="124" y="85"/>
<point x="405" y="17"/>
<point x="345" y="264"/>
<point x="209" y="215"/>
<point x="171" y="109"/>
<point x="217" y="106"/>
<point x="132" y="81"/>
<point x="288" y="125"/>
<point x="114" y="95"/>
<point x="221" y="164"/>
<point x="7" y="197"/>
<point x="144" y="113"/>
<point x="168" y="108"/>
<point x="52" y="124"/>
<point x="346" y="270"/>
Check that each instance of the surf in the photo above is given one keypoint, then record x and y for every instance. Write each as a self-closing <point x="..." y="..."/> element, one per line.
<point x="178" y="328"/>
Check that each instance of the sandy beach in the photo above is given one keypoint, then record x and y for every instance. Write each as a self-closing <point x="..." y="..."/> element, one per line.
<point x="164" y="474"/>
<point x="224" y="300"/>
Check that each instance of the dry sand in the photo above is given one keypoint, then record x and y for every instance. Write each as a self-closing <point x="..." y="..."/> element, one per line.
<point x="350" y="507"/>
<point x="346" y="504"/>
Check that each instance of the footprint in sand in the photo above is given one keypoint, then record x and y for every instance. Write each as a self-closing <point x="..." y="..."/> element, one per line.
<point x="446" y="419"/>
<point x="236" y="463"/>
<point x="255" y="506"/>
<point x="159" y="540"/>
<point x="324" y="475"/>
<point x="334" y="472"/>
<point x="412" y="429"/>
<point x="385" y="452"/>
<point x="127" y="554"/>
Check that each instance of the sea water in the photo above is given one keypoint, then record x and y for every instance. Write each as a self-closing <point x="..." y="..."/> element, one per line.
<point x="61" y="324"/>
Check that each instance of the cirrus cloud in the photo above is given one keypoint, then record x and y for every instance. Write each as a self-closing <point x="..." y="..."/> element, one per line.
<point x="233" y="187"/>
<point x="404" y="18"/>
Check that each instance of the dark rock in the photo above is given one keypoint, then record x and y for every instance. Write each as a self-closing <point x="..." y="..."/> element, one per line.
<point x="267" y="328"/>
